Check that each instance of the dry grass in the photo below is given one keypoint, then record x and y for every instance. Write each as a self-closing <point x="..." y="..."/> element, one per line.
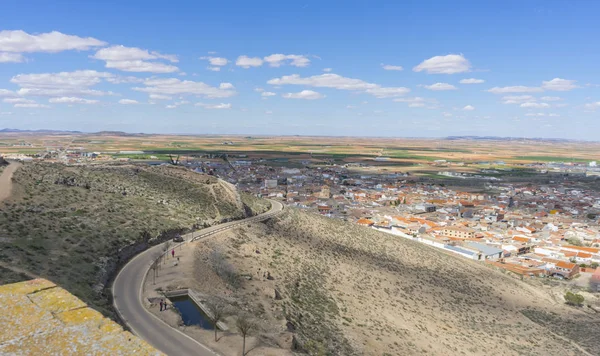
<point x="350" y="290"/>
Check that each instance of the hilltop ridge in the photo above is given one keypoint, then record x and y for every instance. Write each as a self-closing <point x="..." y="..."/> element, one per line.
<point x="75" y="225"/>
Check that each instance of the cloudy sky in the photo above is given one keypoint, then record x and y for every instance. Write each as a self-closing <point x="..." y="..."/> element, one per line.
<point x="368" y="68"/>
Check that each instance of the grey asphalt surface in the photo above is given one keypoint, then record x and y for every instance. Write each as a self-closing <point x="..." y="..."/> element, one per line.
<point x="127" y="296"/>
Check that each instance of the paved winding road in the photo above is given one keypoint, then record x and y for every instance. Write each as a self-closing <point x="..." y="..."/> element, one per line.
<point x="127" y="295"/>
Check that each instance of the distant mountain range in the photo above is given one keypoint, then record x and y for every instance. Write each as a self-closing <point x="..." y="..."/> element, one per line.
<point x="39" y="131"/>
<point x="121" y="133"/>
<point x="498" y="138"/>
<point x="59" y="132"/>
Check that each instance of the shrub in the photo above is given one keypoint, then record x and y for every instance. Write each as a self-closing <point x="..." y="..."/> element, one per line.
<point x="224" y="269"/>
<point x="574" y="299"/>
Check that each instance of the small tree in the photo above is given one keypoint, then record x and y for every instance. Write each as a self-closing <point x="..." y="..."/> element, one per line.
<point x="574" y="241"/>
<point x="245" y="325"/>
<point x="574" y="298"/>
<point x="594" y="265"/>
<point x="217" y="312"/>
<point x="155" y="267"/>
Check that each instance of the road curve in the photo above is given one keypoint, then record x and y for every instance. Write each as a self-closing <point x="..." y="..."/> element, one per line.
<point x="127" y="296"/>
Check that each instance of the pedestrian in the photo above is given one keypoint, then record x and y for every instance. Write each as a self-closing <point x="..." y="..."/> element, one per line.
<point x="161" y="305"/>
<point x="173" y="253"/>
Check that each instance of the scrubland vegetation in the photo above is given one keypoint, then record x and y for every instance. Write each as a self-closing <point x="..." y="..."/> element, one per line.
<point x="76" y="225"/>
<point x="330" y="288"/>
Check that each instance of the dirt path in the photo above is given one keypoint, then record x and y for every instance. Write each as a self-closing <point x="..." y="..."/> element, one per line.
<point x="5" y="180"/>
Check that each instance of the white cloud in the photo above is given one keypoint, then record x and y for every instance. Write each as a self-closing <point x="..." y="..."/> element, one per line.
<point x="439" y="86"/>
<point x="7" y="93"/>
<point x="268" y="112"/>
<point x="214" y="106"/>
<point x="551" y="98"/>
<point x="391" y="67"/>
<point x="214" y="69"/>
<point x="327" y="70"/>
<point x="469" y="108"/>
<point x="330" y="80"/>
<point x="75" y="83"/>
<point x="6" y="57"/>
<point x="304" y="94"/>
<point x="278" y="59"/>
<point x="592" y="106"/>
<point x="517" y="99"/>
<point x="388" y="92"/>
<point x="121" y="80"/>
<point x="18" y="101"/>
<point x="5" y="113"/>
<point x="160" y="97"/>
<point x="31" y="106"/>
<point x="514" y="89"/>
<point x="72" y="100"/>
<point x="260" y="90"/>
<point x="417" y="102"/>
<point x="178" y="103"/>
<point x="558" y="84"/>
<point x="327" y="80"/>
<point x="535" y="105"/>
<point x="267" y="93"/>
<point x="174" y="86"/>
<point x="247" y="62"/>
<point x="61" y="92"/>
<point x="416" y="105"/>
<point x="226" y="86"/>
<point x="447" y="114"/>
<point x="141" y="66"/>
<point x="51" y="42"/>
<point x="128" y="102"/>
<point x="216" y="61"/>
<point x="554" y="115"/>
<point x="539" y="114"/>
<point x="122" y="53"/>
<point x="133" y="59"/>
<point x="471" y="81"/>
<point x="416" y="99"/>
<point x="449" y="64"/>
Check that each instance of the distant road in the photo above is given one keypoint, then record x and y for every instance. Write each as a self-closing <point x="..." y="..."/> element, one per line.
<point x="127" y="296"/>
<point x="6" y="181"/>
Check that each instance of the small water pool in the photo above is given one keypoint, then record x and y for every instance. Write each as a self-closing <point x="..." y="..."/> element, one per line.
<point x="191" y="313"/>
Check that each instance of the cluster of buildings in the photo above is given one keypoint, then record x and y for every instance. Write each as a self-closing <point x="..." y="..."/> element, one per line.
<point x="533" y="230"/>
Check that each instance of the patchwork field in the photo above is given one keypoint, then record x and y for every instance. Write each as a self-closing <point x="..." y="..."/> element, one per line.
<point x="402" y="152"/>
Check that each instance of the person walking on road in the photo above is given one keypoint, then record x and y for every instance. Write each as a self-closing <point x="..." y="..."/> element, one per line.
<point x="173" y="253"/>
<point x="161" y="305"/>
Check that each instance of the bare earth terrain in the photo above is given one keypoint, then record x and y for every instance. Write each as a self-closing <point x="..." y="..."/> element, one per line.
<point x="6" y="180"/>
<point x="347" y="290"/>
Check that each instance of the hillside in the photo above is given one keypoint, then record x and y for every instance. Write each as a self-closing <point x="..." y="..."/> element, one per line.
<point x="76" y="225"/>
<point x="341" y="289"/>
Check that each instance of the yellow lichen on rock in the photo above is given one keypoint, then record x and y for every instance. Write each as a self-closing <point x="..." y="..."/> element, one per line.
<point x="40" y="318"/>
<point x="56" y="300"/>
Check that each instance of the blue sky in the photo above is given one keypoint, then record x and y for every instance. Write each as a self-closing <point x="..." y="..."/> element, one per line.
<point x="364" y="68"/>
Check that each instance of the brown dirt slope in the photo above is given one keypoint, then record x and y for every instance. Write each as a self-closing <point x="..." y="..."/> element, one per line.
<point x="348" y="290"/>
